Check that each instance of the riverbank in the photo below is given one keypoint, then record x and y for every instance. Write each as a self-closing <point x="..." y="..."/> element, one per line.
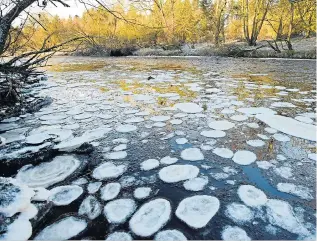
<point x="302" y="49"/>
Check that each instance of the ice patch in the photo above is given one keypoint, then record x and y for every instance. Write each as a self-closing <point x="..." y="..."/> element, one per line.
<point x="264" y="137"/>
<point x="234" y="233"/>
<point x="116" y="155"/>
<point x="120" y="147"/>
<point x="160" y="118"/>
<point x="252" y="196"/>
<point x="197" y="211"/>
<point x="244" y="157"/>
<point x="196" y="184"/>
<point x="37" y="138"/>
<point x="281" y="137"/>
<point x="223" y="152"/>
<point x="19" y="229"/>
<point x="239" y="213"/>
<point x="90" y="207"/>
<point x="151" y="217"/>
<point x="142" y="192"/>
<point x="176" y="122"/>
<point x="256" y="110"/>
<point x="281" y="214"/>
<point x="64" y="195"/>
<point x="119" y="236"/>
<point x="283" y="105"/>
<point x="93" y="187"/>
<point x="108" y="170"/>
<point x="134" y="120"/>
<point x="48" y="173"/>
<point x="256" y="143"/>
<point x="15" y="196"/>
<point x="312" y="156"/>
<point x="264" y="164"/>
<point x="170" y="235"/>
<point x="118" y="211"/>
<point x="213" y="133"/>
<point x="168" y="160"/>
<point x="126" y="128"/>
<point x="149" y="164"/>
<point x="221" y="125"/>
<point x="177" y="173"/>
<point x="110" y="191"/>
<point x="253" y="125"/>
<point x="304" y="119"/>
<point x="290" y="126"/>
<point x="41" y="194"/>
<point x="63" y="229"/>
<point x="298" y="190"/>
<point x="189" y="107"/>
<point x="283" y="171"/>
<point x="239" y="117"/>
<point x="181" y="141"/>
<point x="192" y="154"/>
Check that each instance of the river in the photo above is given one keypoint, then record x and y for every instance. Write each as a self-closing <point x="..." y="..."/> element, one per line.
<point x="244" y="129"/>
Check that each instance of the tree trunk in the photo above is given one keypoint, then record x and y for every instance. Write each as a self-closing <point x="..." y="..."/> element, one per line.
<point x="290" y="28"/>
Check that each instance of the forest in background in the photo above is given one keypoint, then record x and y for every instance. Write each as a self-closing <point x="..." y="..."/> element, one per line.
<point x="173" y="23"/>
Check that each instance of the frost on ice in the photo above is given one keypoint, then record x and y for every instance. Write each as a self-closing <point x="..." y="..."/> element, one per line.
<point x="239" y="213"/>
<point x="64" y="195"/>
<point x="281" y="214"/>
<point x="151" y="217"/>
<point x="223" y="152"/>
<point x="48" y="173"/>
<point x="192" y="154"/>
<point x="298" y="190"/>
<point x="14" y="196"/>
<point x="149" y="164"/>
<point x="234" y="233"/>
<point x="142" y="192"/>
<point x="289" y="126"/>
<point x="189" y="107"/>
<point x="119" y="236"/>
<point x="177" y="173"/>
<point x="118" y="211"/>
<point x="110" y="191"/>
<point x="252" y="196"/>
<point x="63" y="229"/>
<point x="90" y="207"/>
<point x="196" y="184"/>
<point x="170" y="235"/>
<point x="244" y="157"/>
<point x="108" y="170"/>
<point x="198" y="210"/>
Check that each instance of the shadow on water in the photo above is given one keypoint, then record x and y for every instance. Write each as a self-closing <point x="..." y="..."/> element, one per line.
<point x="255" y="176"/>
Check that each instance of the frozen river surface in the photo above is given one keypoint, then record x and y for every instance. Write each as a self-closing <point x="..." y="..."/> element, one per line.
<point x="164" y="149"/>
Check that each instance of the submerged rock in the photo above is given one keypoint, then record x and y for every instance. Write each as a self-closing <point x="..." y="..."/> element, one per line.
<point x="150" y="217"/>
<point x="197" y="211"/>
<point x="63" y="229"/>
